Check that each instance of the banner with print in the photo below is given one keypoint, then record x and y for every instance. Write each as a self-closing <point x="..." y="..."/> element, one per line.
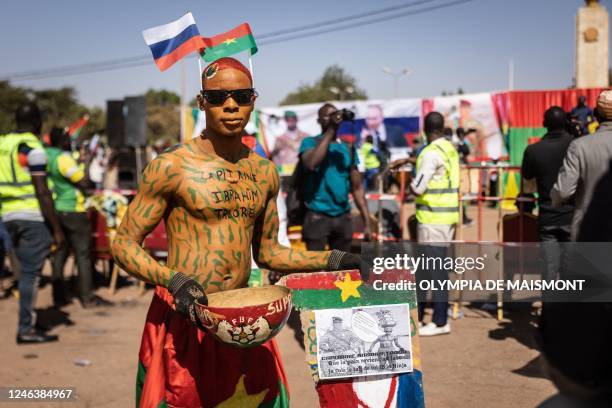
<point x="392" y="125"/>
<point x="475" y="113"/>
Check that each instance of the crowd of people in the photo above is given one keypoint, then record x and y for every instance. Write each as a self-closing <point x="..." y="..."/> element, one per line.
<point x="569" y="169"/>
<point x="43" y="188"/>
<point x="42" y="197"/>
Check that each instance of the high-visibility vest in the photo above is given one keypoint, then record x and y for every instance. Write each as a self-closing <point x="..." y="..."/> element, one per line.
<point x="16" y="189"/>
<point x="369" y="157"/>
<point x="440" y="202"/>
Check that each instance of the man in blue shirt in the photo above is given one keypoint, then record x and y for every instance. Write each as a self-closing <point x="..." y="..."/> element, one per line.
<point x="330" y="176"/>
<point x="583" y="114"/>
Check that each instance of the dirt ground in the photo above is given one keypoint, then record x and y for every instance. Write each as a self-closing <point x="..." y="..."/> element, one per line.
<point x="482" y="363"/>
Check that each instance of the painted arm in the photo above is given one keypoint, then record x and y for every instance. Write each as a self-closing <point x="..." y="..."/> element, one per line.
<point x="143" y="214"/>
<point x="267" y="251"/>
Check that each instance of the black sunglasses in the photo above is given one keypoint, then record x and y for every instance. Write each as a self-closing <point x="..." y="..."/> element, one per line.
<point x="218" y="96"/>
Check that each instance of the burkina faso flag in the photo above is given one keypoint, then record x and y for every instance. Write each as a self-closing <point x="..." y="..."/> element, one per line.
<point x="232" y="42"/>
<point x="345" y="289"/>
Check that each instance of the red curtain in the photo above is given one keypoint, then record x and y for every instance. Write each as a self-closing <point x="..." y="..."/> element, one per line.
<point x="527" y="107"/>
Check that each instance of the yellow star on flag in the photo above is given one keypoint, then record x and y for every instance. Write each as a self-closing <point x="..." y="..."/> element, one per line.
<point x="241" y="398"/>
<point x="229" y="41"/>
<point x="348" y="287"/>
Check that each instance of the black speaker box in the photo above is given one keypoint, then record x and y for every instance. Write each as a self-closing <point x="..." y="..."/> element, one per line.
<point x="135" y="110"/>
<point x="115" y="126"/>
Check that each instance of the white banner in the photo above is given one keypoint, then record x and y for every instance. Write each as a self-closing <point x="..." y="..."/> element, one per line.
<point x="473" y="111"/>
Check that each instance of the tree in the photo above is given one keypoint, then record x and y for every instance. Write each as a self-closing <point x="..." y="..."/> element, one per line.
<point x="10" y="98"/>
<point x="162" y="98"/>
<point x="163" y="115"/>
<point x="60" y="107"/>
<point x="333" y="79"/>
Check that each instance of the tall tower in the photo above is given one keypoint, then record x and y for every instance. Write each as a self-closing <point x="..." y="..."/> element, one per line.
<point x="592" y="36"/>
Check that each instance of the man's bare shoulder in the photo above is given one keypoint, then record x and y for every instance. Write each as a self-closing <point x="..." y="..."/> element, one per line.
<point x="164" y="171"/>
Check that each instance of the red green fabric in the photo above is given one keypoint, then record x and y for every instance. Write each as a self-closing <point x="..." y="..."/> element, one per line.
<point x="518" y="140"/>
<point x="181" y="366"/>
<point x="319" y="290"/>
<point x="526" y="114"/>
<point x="229" y="43"/>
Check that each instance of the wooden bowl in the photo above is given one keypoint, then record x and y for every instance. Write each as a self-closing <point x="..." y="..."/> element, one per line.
<point x="246" y="317"/>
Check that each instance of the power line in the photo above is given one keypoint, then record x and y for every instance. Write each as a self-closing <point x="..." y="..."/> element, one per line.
<point x="367" y="22"/>
<point x="342" y="19"/>
<point x="127" y="62"/>
<point x="131" y="62"/>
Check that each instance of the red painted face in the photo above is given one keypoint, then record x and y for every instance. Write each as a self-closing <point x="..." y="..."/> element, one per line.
<point x="229" y="116"/>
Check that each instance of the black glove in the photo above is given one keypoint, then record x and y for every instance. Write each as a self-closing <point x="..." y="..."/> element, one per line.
<point x="186" y="291"/>
<point x="340" y="260"/>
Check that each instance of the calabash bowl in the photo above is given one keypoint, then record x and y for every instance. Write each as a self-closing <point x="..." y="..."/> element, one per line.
<point x="246" y="317"/>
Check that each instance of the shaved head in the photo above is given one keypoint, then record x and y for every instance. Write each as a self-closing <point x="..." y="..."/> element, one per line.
<point x="28" y="118"/>
<point x="555" y="118"/>
<point x="434" y="124"/>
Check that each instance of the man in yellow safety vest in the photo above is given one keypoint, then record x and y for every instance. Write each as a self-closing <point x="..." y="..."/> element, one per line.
<point x="26" y="205"/>
<point x="436" y="187"/>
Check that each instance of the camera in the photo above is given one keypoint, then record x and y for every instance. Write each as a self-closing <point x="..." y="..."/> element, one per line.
<point x="345" y="114"/>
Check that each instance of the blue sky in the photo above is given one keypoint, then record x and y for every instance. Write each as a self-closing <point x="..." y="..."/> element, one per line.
<point x="467" y="45"/>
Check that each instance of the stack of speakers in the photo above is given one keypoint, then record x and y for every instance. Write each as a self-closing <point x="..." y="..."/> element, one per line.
<point x="126" y="128"/>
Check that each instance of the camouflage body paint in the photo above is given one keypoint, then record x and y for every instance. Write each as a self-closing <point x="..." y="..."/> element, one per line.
<point x="214" y="212"/>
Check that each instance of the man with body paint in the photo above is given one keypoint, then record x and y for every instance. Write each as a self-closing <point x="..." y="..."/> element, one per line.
<point x="217" y="199"/>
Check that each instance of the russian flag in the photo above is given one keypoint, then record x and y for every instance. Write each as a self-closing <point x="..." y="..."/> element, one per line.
<point x="171" y="42"/>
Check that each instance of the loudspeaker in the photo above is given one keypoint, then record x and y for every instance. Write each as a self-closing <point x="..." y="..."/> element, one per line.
<point x="135" y="111"/>
<point x="127" y="176"/>
<point x="115" y="123"/>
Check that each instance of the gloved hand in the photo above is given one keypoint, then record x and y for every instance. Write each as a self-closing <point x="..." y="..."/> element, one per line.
<point x="340" y="260"/>
<point x="186" y="291"/>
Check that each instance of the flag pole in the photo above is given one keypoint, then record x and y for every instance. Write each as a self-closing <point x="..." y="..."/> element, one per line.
<point x="251" y="69"/>
<point x="200" y="72"/>
<point x="182" y="103"/>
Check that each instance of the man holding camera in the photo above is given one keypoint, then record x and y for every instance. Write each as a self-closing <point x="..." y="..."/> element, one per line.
<point x="330" y="176"/>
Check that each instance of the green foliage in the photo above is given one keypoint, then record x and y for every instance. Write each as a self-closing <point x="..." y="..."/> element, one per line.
<point x="162" y="98"/>
<point x="163" y="115"/>
<point x="10" y="98"/>
<point x="61" y="107"/>
<point x="334" y="78"/>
